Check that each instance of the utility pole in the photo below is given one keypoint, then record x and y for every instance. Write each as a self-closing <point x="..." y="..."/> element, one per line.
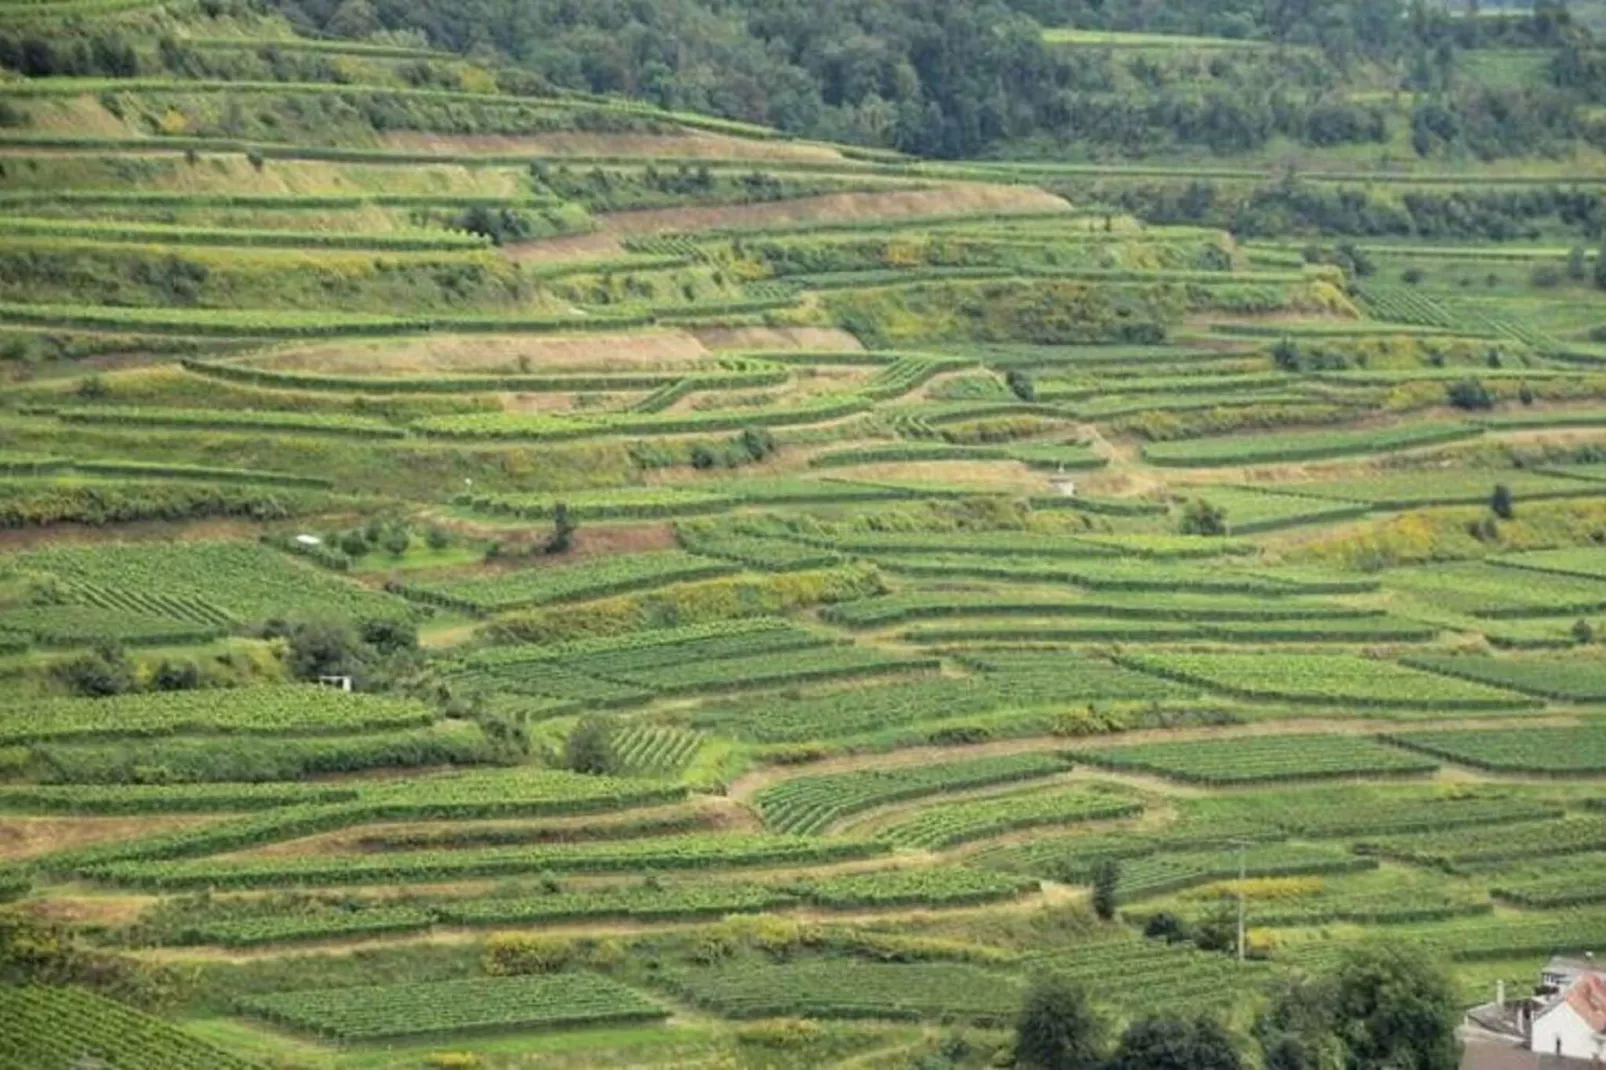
<point x="1242" y="876"/>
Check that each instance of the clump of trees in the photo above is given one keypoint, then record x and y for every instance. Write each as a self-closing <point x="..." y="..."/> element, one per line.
<point x="1382" y="1007"/>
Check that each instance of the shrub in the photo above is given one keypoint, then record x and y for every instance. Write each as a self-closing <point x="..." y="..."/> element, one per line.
<point x="438" y="538"/>
<point x="1500" y="502"/>
<point x="1413" y="276"/>
<point x="1105" y="879"/>
<point x="1577" y="263"/>
<point x="1199" y="517"/>
<point x="1545" y="276"/>
<point x="396" y="541"/>
<point x="563" y="529"/>
<point x="1021" y="384"/>
<point x="589" y="748"/>
<point x="105" y="671"/>
<point x="1469" y="394"/>
<point x="1583" y="631"/>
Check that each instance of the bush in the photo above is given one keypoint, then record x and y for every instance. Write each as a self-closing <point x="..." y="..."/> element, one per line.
<point x="105" y="671"/>
<point x="1469" y="394"/>
<point x="1021" y="385"/>
<point x="1545" y="276"/>
<point x="1058" y="1029"/>
<point x="563" y="528"/>
<point x="1199" y="517"/>
<point x="1413" y="276"/>
<point x="1105" y="878"/>
<point x="1583" y="631"/>
<point x="1500" y="502"/>
<point x="438" y="538"/>
<point x="1577" y="263"/>
<point x="176" y="676"/>
<point x="1168" y="927"/>
<point x="589" y="748"/>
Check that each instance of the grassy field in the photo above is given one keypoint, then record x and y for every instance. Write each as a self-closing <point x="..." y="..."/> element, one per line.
<point x="773" y="577"/>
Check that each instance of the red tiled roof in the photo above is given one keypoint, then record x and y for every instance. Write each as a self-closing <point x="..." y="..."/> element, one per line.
<point x="1587" y="997"/>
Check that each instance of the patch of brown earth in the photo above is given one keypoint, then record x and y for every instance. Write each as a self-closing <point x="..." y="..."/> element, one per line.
<point x="755" y="339"/>
<point x="591" y="246"/>
<point x="30" y="837"/>
<point x="839" y="208"/>
<point x="509" y="354"/>
<point x="691" y="144"/>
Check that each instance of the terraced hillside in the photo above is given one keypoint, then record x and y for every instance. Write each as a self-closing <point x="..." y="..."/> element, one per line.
<point x="775" y="578"/>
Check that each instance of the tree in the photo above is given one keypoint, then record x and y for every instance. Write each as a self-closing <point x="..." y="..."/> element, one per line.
<point x="102" y="672"/>
<point x="1500" y="502"/>
<point x="1057" y="1028"/>
<point x="589" y="748"/>
<point x="1600" y="268"/>
<point x="563" y="529"/>
<point x="438" y="538"/>
<point x="1166" y="926"/>
<point x="1296" y="1030"/>
<point x="1020" y="384"/>
<point x="1583" y="631"/>
<point x="176" y="676"/>
<point x="1166" y="1043"/>
<point x="1469" y="394"/>
<point x="1105" y="878"/>
<point x="396" y="541"/>
<point x="1394" y="1007"/>
<point x="323" y="648"/>
<point x="1578" y="263"/>
<point x="1199" y="517"/>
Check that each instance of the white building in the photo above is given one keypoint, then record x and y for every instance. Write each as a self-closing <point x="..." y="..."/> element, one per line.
<point x="1572" y="1023"/>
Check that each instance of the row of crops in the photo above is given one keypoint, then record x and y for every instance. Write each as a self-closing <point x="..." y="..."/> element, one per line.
<point x="1007" y="682"/>
<point x="1260" y="758"/>
<point x="730" y="655"/>
<point x="659" y="853"/>
<point x="371" y="1012"/>
<point x="247" y="582"/>
<point x="290" y="709"/>
<point x="51" y="1027"/>
<point x="811" y="803"/>
<point x="593" y="579"/>
<point x="940" y="886"/>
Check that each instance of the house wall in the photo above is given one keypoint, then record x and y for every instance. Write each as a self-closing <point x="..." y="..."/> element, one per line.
<point x="1578" y="1041"/>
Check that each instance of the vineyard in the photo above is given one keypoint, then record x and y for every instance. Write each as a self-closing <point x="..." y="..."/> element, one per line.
<point x="368" y="1013"/>
<point x="1260" y="758"/>
<point x="498" y="571"/>
<point x="809" y="804"/>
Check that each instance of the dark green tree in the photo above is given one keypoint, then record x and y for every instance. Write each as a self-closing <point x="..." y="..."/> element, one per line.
<point x="1105" y="879"/>
<point x="102" y="672"/>
<point x="1175" y="1044"/>
<point x="1057" y="1028"/>
<point x="323" y="648"/>
<point x="589" y="748"/>
<point x="1394" y="1007"/>
<point x="563" y="529"/>
<point x="1020" y="384"/>
<point x="1501" y="502"/>
<point x="1600" y="267"/>
<point x="1296" y="1030"/>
